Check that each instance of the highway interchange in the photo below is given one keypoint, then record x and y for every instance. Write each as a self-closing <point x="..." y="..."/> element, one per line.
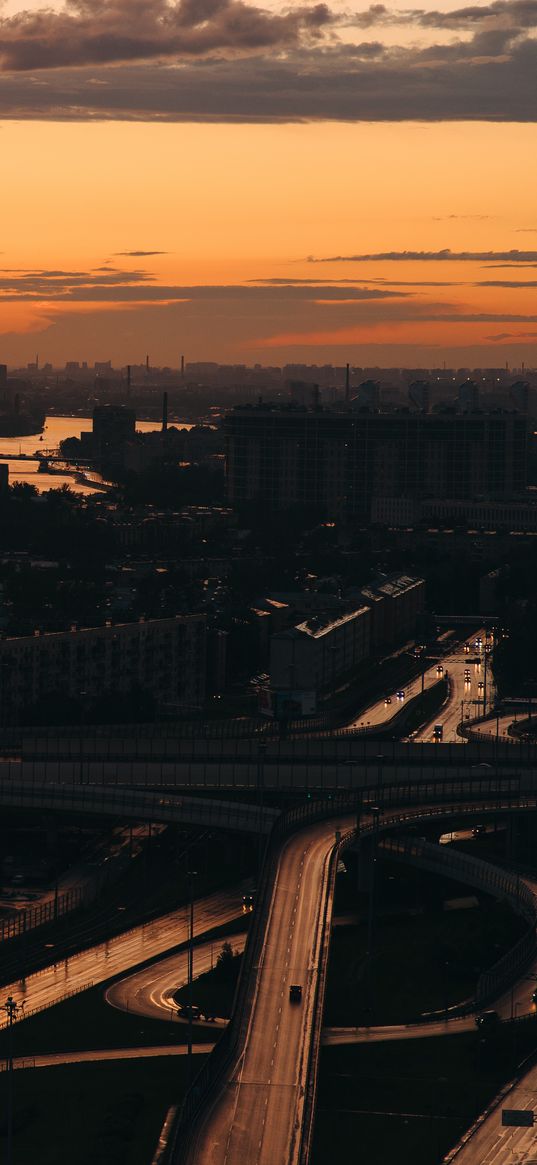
<point x="263" y="1097"/>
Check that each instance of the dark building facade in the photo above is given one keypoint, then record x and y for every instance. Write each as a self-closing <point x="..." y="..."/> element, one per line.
<point x="337" y="462"/>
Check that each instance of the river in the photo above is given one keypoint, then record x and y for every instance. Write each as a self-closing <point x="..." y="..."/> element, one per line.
<point x="56" y="430"/>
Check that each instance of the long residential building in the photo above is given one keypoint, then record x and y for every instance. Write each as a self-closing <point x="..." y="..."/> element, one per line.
<point x="166" y="657"/>
<point x="314" y="656"/>
<point x="335" y="462"/>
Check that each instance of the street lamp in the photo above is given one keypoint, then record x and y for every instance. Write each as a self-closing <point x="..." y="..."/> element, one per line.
<point x="375" y="810"/>
<point x="190" y="967"/>
<point x="261" y="750"/>
<point x="12" y="1010"/>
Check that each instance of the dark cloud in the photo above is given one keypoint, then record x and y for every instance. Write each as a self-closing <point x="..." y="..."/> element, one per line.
<point x="445" y="255"/>
<point x="508" y="14"/>
<point x="475" y="79"/>
<point x="530" y="284"/>
<point x="464" y="217"/>
<point x="95" y="32"/>
<point x="281" y="282"/>
<point x="41" y="283"/>
<point x="139" y="286"/>
<point x="140" y="254"/>
<point x="513" y="336"/>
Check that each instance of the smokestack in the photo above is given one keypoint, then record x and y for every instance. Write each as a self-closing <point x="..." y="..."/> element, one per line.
<point x="347" y="384"/>
<point x="128" y="382"/>
<point x="164" y="412"/>
<point x="182" y="368"/>
<point x="147" y="365"/>
<point x="37" y="361"/>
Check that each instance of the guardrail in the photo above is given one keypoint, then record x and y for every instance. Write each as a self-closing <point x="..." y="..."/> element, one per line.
<point x="51" y="911"/>
<point x="24" y="1013"/>
<point x="122" y="801"/>
<point x="494" y="880"/>
<point x="227" y="1050"/>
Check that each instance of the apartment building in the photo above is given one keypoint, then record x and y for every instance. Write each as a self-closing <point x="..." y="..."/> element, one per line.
<point x="336" y="462"/>
<point x="163" y="656"/>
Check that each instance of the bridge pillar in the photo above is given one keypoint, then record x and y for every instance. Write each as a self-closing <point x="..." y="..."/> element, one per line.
<point x="364" y="854"/>
<point x="512" y="838"/>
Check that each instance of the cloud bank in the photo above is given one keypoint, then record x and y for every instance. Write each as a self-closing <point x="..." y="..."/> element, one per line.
<point x="228" y="60"/>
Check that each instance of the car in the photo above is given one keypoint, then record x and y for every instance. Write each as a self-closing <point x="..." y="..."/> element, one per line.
<point x="439" y="670"/>
<point x="189" y="1011"/>
<point x="466" y="648"/>
<point x="247" y="903"/>
<point x="295" y="993"/>
<point x="388" y="700"/>
<point x="401" y="695"/>
<point x="534" y="996"/>
<point x="467" y="675"/>
<point x="481" y="685"/>
<point x="487" y="1019"/>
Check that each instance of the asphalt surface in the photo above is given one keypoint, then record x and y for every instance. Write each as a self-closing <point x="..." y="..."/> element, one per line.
<point x="150" y="991"/>
<point x="259" y="1112"/>
<point x="56" y="1059"/>
<point x="491" y="1144"/>
<point x="455" y="663"/>
<point x="127" y="950"/>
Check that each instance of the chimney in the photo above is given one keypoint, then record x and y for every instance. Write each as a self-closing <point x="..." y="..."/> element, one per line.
<point x="147" y="365"/>
<point x="347" y="384"/>
<point x="128" y="382"/>
<point x="164" y="412"/>
<point x="182" y="368"/>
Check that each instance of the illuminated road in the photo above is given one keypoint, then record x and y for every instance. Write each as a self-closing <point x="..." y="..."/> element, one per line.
<point x="150" y="991"/>
<point x="258" y="1114"/>
<point x="119" y="954"/>
<point x="385" y="710"/>
<point x="496" y="728"/>
<point x="465" y="698"/>
<point x="56" y="1059"/>
<point x="491" y="1144"/>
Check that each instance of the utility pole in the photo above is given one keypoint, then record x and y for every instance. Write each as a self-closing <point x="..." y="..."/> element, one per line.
<point x="12" y="1010"/>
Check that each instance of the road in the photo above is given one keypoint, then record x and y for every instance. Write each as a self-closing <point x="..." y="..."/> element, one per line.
<point x="259" y="1112"/>
<point x="101" y="962"/>
<point x="496" y="728"/>
<point x="385" y="710"/>
<point x="56" y="1059"/>
<point x="150" y="991"/>
<point x="491" y="1144"/>
<point x="465" y="696"/>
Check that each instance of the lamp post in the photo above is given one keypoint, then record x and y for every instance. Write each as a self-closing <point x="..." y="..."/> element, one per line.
<point x="12" y="1010"/>
<point x="376" y="810"/>
<point x="190" y="968"/>
<point x="379" y="759"/>
<point x="261" y="750"/>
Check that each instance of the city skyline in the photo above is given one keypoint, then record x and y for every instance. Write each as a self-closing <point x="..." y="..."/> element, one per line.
<point x="269" y="184"/>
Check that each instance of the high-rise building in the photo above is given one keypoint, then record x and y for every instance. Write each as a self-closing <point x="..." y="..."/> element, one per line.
<point x="337" y="462"/>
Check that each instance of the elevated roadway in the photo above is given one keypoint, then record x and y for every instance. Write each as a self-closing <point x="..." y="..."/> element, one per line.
<point x="260" y="1113"/>
<point x="118" y="955"/>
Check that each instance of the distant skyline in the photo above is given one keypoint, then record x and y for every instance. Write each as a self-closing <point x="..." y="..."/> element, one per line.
<point x="275" y="183"/>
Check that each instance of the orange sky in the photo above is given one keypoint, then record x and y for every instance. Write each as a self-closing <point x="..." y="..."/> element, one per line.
<point x="228" y="204"/>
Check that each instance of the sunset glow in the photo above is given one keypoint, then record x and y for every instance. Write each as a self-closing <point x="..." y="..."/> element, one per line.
<point x="166" y="226"/>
